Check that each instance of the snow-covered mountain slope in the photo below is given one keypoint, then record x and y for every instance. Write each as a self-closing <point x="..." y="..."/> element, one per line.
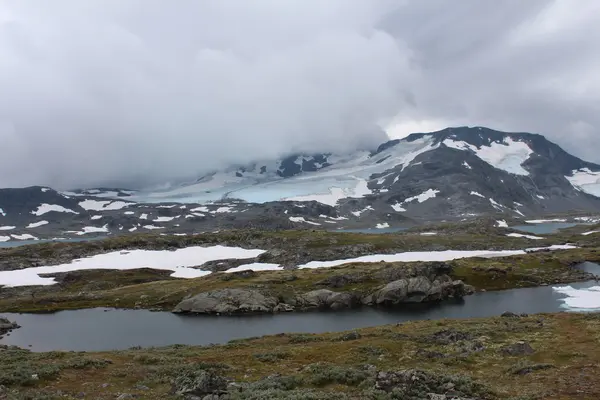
<point x="527" y="166"/>
<point x="455" y="173"/>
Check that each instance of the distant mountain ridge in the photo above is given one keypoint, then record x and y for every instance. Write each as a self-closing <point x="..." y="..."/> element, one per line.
<point x="455" y="173"/>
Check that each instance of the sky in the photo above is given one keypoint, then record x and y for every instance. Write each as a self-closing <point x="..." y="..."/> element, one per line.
<point x="137" y="92"/>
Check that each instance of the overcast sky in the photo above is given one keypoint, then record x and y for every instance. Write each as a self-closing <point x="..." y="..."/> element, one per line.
<point x="120" y="91"/>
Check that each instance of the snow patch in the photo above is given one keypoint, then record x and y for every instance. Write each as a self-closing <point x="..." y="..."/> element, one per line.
<point x="152" y="227"/>
<point x="7" y="228"/>
<point x="144" y="216"/>
<point x="95" y="217"/>
<point x="501" y="223"/>
<point x="96" y="205"/>
<point x="590" y="233"/>
<point x="398" y="207"/>
<point x="520" y="235"/>
<point x="495" y="204"/>
<point x="382" y="225"/>
<point x="541" y="221"/>
<point x="357" y="213"/>
<point x="508" y="156"/>
<point x="24" y="236"/>
<point x="473" y="193"/>
<point x="539" y="197"/>
<point x="2" y="212"/>
<point x="466" y="165"/>
<point x="4" y="238"/>
<point x="93" y="229"/>
<point x="580" y="299"/>
<point x="129" y="213"/>
<point x="37" y="224"/>
<point x="446" y="255"/>
<point x="586" y="180"/>
<point x="46" y="208"/>
<point x="256" y="267"/>
<point x="164" y="219"/>
<point x="178" y="261"/>
<point x="301" y="219"/>
<point x="428" y="233"/>
<point x="426" y="195"/>
<point x="335" y="194"/>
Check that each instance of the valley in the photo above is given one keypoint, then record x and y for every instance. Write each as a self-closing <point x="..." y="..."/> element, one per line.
<point x="458" y="264"/>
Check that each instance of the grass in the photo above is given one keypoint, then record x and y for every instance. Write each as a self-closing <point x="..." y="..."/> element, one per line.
<point x="564" y="364"/>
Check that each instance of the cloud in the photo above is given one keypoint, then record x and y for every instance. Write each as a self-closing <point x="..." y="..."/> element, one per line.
<point x="141" y="91"/>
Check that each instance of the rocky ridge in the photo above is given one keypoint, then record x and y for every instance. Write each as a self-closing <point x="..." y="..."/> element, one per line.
<point x="432" y="285"/>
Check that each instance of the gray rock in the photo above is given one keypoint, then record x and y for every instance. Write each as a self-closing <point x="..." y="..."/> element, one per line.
<point x="283" y="307"/>
<point x="227" y="301"/>
<point x="6" y="326"/>
<point x="200" y="383"/>
<point x="417" y="289"/>
<point x="517" y="349"/>
<point x="326" y="299"/>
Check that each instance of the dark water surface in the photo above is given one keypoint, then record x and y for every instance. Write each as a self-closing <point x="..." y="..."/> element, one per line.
<point x="97" y="329"/>
<point x="545" y="227"/>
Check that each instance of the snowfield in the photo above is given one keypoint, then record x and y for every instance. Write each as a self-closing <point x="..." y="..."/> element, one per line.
<point x="586" y="180"/>
<point x="580" y="299"/>
<point x="508" y="156"/>
<point x="180" y="261"/>
<point x="96" y="205"/>
<point x="46" y="208"/>
<point x="347" y="177"/>
<point x="446" y="255"/>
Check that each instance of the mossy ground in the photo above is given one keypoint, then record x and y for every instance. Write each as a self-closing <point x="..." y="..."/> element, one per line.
<point x="564" y="364"/>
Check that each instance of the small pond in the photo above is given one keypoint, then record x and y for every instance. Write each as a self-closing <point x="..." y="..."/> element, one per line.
<point x="101" y="329"/>
<point x="546" y="227"/>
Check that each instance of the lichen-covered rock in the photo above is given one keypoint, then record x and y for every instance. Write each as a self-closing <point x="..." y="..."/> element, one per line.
<point x="228" y="301"/>
<point x="416" y="290"/>
<point x="199" y="383"/>
<point x="326" y="299"/>
<point x="413" y="384"/>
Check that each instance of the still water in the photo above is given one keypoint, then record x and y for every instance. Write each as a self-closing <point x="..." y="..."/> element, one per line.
<point x="100" y="329"/>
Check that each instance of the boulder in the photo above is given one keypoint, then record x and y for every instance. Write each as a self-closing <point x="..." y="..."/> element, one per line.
<point x="326" y="299"/>
<point x="199" y="383"/>
<point x="416" y="290"/>
<point x="517" y="349"/>
<point x="227" y="301"/>
<point x="6" y="326"/>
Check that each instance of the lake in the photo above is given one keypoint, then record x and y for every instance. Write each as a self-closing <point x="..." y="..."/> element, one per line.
<point x="546" y="227"/>
<point x="102" y="329"/>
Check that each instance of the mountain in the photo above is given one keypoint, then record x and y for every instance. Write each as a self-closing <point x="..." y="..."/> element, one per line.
<point x="455" y="173"/>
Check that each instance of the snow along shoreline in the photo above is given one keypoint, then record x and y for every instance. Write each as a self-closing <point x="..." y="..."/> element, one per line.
<point x="183" y="261"/>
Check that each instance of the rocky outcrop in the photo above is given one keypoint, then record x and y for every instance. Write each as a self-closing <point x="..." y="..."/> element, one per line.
<point x="228" y="301"/>
<point x="243" y="301"/>
<point x="6" y="326"/>
<point x="326" y="299"/>
<point x="416" y="290"/>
